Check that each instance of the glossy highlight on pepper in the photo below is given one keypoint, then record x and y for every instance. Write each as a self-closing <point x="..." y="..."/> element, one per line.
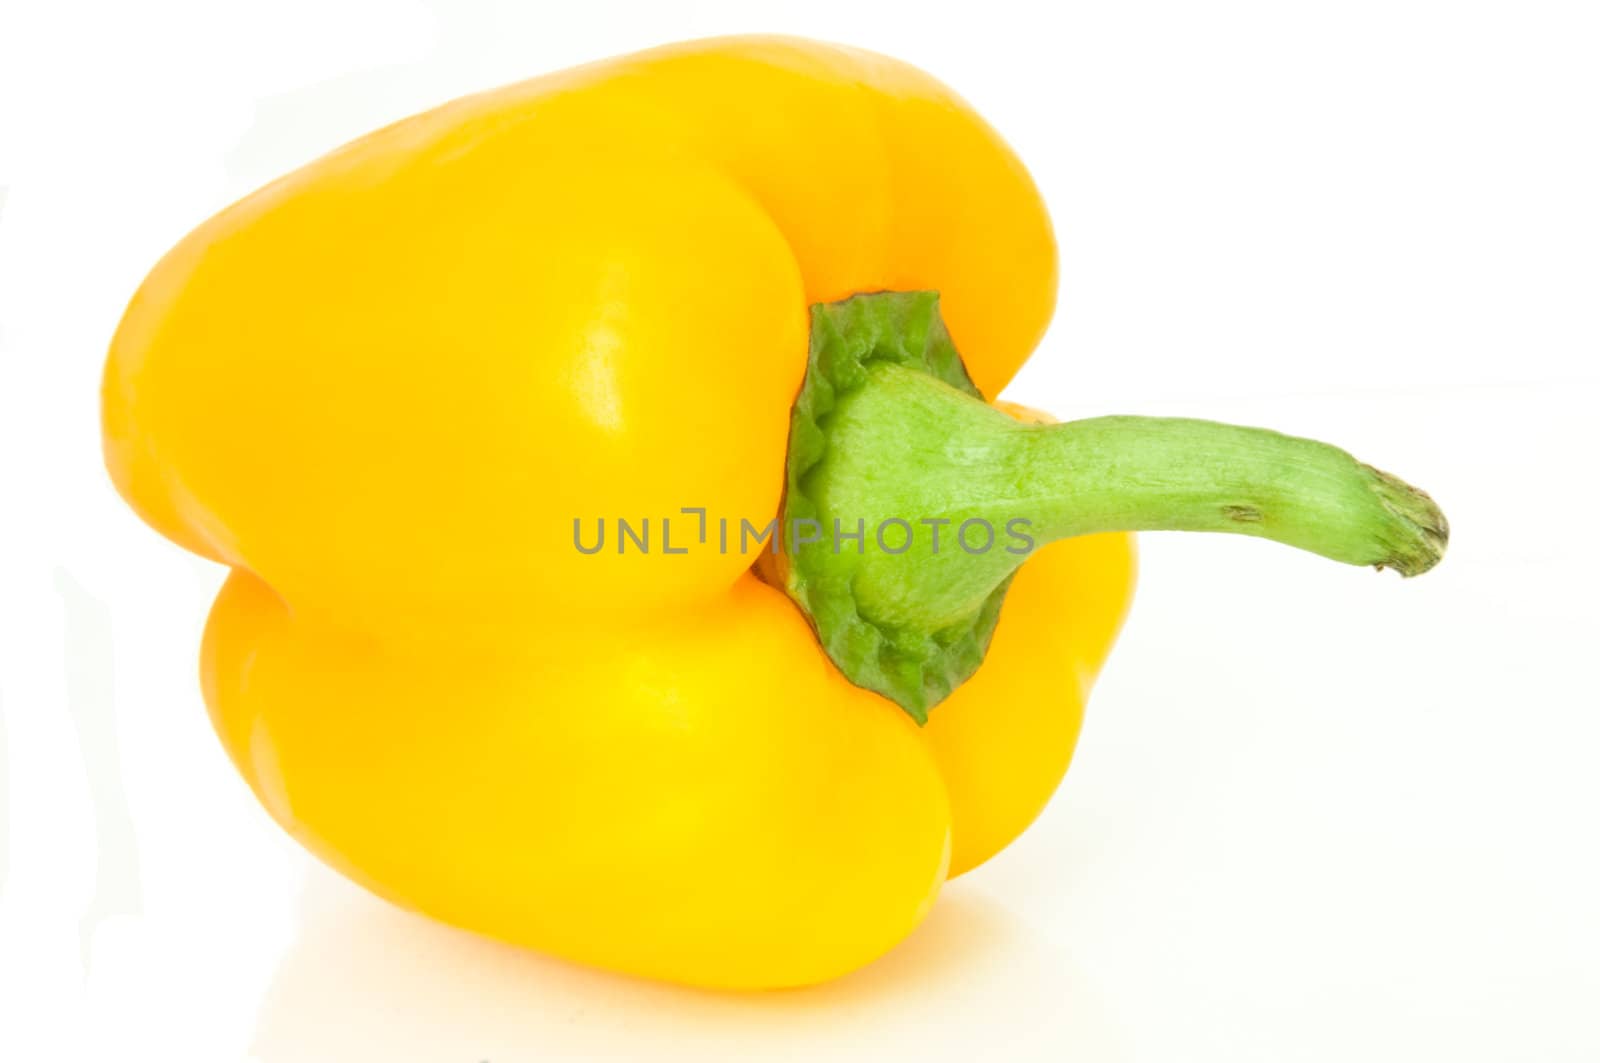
<point x="382" y="388"/>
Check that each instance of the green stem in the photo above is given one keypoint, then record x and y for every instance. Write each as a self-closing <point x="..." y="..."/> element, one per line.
<point x="891" y="439"/>
<point x="1175" y="474"/>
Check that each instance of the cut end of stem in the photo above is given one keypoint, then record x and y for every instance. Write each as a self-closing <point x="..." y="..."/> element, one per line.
<point x="1417" y="538"/>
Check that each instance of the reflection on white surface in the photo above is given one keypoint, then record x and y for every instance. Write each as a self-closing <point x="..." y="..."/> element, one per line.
<point x="366" y="981"/>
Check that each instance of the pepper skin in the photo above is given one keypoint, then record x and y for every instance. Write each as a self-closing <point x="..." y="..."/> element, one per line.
<point x="382" y="388"/>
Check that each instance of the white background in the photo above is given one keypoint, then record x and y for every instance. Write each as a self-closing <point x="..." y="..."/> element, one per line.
<point x="1317" y="813"/>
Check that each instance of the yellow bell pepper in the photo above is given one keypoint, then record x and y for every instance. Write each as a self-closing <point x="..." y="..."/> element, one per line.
<point x="403" y="390"/>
